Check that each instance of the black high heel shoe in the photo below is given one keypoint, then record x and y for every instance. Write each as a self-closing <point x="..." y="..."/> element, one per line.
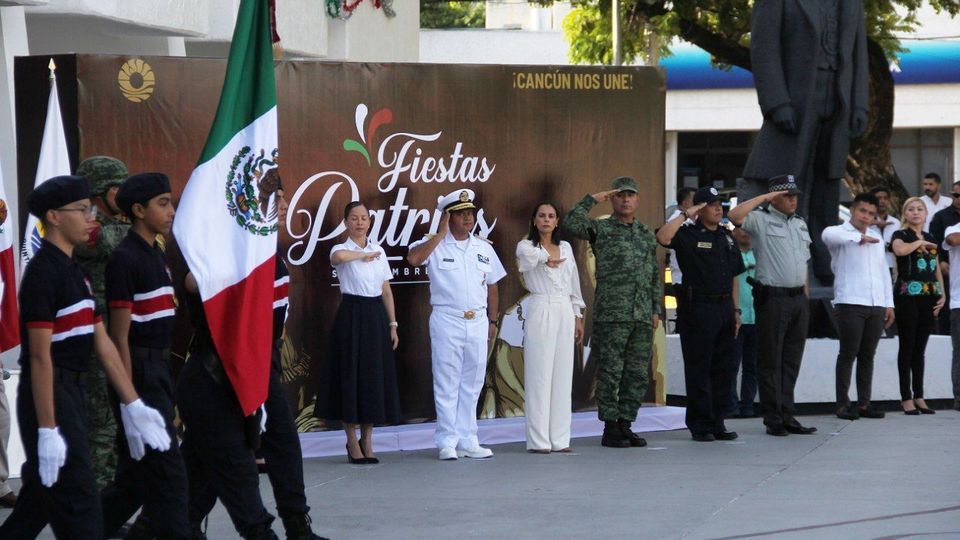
<point x="368" y="460"/>
<point x="925" y="410"/>
<point x="353" y="460"/>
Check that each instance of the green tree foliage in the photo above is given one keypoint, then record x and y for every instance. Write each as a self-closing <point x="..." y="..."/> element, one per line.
<point x="448" y="14"/>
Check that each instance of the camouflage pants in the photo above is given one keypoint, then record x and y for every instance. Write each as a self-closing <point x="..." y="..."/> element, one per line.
<point x="101" y="424"/>
<point x="622" y="351"/>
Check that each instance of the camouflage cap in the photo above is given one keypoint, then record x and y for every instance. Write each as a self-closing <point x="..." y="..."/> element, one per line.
<point x="625" y="183"/>
<point x="102" y="172"/>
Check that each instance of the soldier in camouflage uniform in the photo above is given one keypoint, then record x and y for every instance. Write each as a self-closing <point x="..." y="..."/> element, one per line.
<point x="627" y="306"/>
<point x="105" y="174"/>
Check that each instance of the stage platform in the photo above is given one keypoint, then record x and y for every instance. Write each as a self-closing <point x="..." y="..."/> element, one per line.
<point x="495" y="431"/>
<point x="869" y="479"/>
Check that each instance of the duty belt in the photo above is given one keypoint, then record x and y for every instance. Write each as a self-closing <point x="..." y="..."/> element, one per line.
<point x="468" y="315"/>
<point x="784" y="291"/>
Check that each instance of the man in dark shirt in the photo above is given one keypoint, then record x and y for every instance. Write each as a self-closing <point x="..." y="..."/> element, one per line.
<point x="139" y="292"/>
<point x="60" y="326"/>
<point x="708" y="317"/>
<point x="280" y="443"/>
<point x="942" y="220"/>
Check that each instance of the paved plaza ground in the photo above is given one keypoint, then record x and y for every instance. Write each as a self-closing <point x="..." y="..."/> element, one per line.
<point x="893" y="478"/>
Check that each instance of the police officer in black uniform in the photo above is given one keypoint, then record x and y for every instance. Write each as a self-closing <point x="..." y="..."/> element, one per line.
<point x="708" y="317"/>
<point x="280" y="443"/>
<point x="139" y="292"/>
<point x="60" y="326"/>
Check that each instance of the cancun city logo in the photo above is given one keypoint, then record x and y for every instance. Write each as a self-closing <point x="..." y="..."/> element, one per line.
<point x="250" y="189"/>
<point x="398" y="161"/>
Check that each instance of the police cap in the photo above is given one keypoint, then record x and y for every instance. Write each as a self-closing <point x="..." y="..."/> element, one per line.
<point x="784" y="182"/>
<point x="706" y="195"/>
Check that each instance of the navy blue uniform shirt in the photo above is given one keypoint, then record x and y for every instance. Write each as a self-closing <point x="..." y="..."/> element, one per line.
<point x="708" y="259"/>
<point x="137" y="278"/>
<point x="55" y="293"/>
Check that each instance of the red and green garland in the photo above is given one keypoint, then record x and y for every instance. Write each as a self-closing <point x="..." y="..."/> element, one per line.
<point x="343" y="9"/>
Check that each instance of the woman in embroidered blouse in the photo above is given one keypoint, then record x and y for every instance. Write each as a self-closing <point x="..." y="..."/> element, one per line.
<point x="359" y="383"/>
<point x="917" y="298"/>
<point x="552" y="323"/>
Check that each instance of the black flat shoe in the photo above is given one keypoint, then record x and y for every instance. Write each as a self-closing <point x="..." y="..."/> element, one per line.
<point x="913" y="412"/>
<point x="798" y="429"/>
<point x="777" y="431"/>
<point x="703" y="437"/>
<point x="725" y="435"/>
<point x="925" y="410"/>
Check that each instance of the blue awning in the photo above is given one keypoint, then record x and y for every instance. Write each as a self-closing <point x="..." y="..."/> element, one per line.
<point x="924" y="62"/>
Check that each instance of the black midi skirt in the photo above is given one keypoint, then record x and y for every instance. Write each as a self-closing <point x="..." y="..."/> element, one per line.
<point x="358" y="383"/>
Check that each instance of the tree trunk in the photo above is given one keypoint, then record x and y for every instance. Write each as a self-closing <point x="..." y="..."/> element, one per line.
<point x="869" y="164"/>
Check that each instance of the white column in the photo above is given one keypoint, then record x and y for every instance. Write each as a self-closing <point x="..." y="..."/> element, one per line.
<point x="670" y="149"/>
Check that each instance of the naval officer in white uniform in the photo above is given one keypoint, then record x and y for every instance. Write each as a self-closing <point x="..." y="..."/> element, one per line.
<point x="464" y="271"/>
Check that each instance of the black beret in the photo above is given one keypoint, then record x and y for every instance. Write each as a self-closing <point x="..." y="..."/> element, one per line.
<point x="57" y="192"/>
<point x="140" y="188"/>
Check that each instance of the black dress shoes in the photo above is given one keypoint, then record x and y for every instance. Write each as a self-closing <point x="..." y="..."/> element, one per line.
<point x="870" y="412"/>
<point x="703" y="437"/>
<point x="848" y="413"/>
<point x="798" y="429"/>
<point x="725" y="435"/>
<point x="777" y="431"/>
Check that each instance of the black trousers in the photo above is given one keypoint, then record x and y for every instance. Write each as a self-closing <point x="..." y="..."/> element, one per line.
<point x="707" y="341"/>
<point x="215" y="449"/>
<point x="72" y="505"/>
<point x="782" y="326"/>
<point x="280" y="448"/>
<point x="860" y="330"/>
<point x="158" y="482"/>
<point x="914" y="315"/>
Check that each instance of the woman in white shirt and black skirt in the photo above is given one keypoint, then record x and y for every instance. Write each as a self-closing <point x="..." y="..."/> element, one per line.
<point x="359" y="382"/>
<point x="553" y="321"/>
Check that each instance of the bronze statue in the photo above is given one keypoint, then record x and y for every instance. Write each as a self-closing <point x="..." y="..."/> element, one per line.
<point x="809" y="61"/>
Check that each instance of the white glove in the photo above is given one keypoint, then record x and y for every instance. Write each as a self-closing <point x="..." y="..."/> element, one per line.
<point x="134" y="440"/>
<point x="263" y="418"/>
<point x="51" y="453"/>
<point x="149" y="423"/>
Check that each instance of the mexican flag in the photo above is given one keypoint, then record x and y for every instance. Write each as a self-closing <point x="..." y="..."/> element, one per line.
<point x="226" y="224"/>
<point x="9" y="318"/>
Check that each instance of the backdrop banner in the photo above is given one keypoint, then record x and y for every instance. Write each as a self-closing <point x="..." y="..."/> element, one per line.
<point x="395" y="136"/>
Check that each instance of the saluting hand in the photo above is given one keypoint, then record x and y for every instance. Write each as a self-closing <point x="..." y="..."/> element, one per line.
<point x="604" y="195"/>
<point x="554" y="263"/>
<point x="867" y="239"/>
<point x="444" y="227"/>
<point x="370" y="257"/>
<point x="774" y="194"/>
<point x="927" y="246"/>
<point x="694" y="210"/>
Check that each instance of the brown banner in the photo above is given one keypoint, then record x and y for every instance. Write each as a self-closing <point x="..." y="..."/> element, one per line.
<point x="396" y="136"/>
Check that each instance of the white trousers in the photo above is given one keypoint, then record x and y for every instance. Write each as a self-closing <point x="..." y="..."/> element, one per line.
<point x="459" y="359"/>
<point x="548" y="339"/>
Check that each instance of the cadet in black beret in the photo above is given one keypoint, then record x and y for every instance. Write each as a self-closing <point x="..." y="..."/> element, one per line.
<point x="140" y="188"/>
<point x="60" y="326"/>
<point x="57" y="192"/>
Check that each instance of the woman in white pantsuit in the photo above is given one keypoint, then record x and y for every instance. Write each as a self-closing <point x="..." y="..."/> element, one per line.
<point x="553" y="322"/>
